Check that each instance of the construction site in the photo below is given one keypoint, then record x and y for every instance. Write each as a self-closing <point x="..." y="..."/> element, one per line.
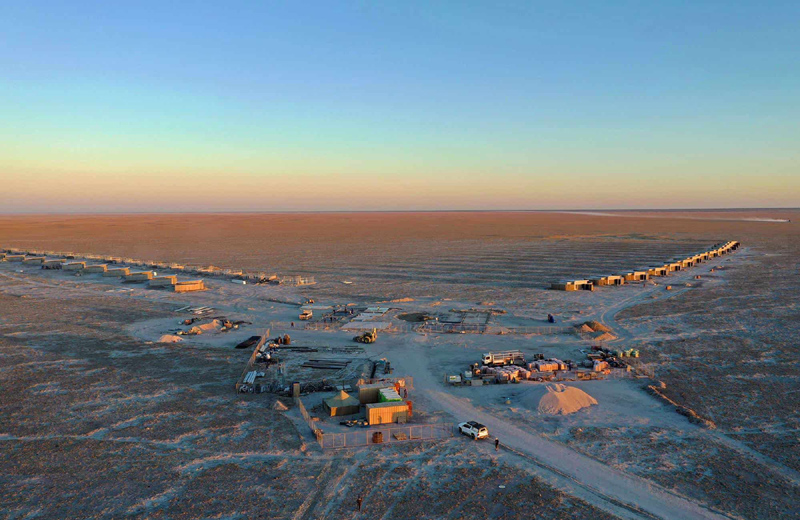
<point x="549" y="375"/>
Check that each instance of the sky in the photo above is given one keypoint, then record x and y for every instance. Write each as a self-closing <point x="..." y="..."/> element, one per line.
<point x="295" y="106"/>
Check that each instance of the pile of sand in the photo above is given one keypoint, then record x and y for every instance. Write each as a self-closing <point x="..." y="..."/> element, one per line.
<point x="604" y="336"/>
<point x="584" y="328"/>
<point x="279" y="406"/>
<point x="595" y="326"/>
<point x="170" y="338"/>
<point x="564" y="400"/>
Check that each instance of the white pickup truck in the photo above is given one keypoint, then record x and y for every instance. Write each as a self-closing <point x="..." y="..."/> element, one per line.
<point x="473" y="429"/>
<point x="306" y="314"/>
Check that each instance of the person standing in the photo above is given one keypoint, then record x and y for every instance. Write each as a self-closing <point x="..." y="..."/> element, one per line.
<point x="496" y="444"/>
<point x="359" y="501"/>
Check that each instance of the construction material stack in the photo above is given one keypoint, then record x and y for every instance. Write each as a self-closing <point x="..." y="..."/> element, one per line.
<point x="547" y="365"/>
<point x="506" y="374"/>
<point x="388" y="395"/>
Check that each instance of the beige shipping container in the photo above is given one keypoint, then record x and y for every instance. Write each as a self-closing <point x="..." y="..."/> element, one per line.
<point x="118" y="272"/>
<point x="74" y="266"/>
<point x="15" y="258"/>
<point x="97" y="268"/>
<point x="635" y="276"/>
<point x="573" y="285"/>
<point x="163" y="281"/>
<point x="387" y="413"/>
<point x="188" y="286"/>
<point x="608" y="280"/>
<point x="657" y="271"/>
<point x="141" y="276"/>
<point x="33" y="260"/>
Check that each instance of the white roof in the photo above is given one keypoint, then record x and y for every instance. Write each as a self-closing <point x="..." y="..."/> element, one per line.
<point x="364" y="316"/>
<point x="379" y="310"/>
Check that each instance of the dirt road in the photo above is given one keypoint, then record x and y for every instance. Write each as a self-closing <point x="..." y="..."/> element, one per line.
<point x="617" y="491"/>
<point x="642" y="498"/>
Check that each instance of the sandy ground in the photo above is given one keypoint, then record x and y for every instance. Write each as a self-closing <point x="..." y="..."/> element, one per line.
<point x="98" y="424"/>
<point x="93" y="394"/>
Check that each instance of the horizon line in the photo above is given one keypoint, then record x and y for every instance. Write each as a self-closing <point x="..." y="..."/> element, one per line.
<point x="300" y="211"/>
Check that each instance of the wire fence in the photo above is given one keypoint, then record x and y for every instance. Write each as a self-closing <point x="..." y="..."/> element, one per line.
<point x="385" y="435"/>
<point x="320" y="325"/>
<point x="404" y="381"/>
<point x="474" y="328"/>
<point x="532" y="330"/>
<point x="428" y="327"/>
<point x="337" y="326"/>
<point x="315" y="431"/>
<point x="450" y="328"/>
<point x="372" y="435"/>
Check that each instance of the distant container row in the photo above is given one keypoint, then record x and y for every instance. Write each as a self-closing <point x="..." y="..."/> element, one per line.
<point x="646" y="274"/>
<point x="170" y="282"/>
<point x="40" y="258"/>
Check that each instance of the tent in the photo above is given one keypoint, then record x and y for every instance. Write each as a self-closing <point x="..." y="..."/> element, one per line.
<point x="342" y="404"/>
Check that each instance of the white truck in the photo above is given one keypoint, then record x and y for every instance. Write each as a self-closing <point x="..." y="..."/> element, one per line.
<point x="307" y="314"/>
<point x="473" y="429"/>
<point x="511" y="357"/>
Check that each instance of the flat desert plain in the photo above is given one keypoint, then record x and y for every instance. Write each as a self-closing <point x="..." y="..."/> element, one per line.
<point x="102" y="418"/>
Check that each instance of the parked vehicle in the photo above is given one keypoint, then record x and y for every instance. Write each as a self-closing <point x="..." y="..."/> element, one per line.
<point x="512" y="357"/>
<point x="473" y="429"/>
<point x="306" y="314"/>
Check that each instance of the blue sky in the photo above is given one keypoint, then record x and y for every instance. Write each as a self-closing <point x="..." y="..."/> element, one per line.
<point x="462" y="104"/>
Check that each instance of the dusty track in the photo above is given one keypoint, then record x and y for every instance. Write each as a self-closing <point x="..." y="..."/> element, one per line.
<point x="612" y="489"/>
<point x="616" y="491"/>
